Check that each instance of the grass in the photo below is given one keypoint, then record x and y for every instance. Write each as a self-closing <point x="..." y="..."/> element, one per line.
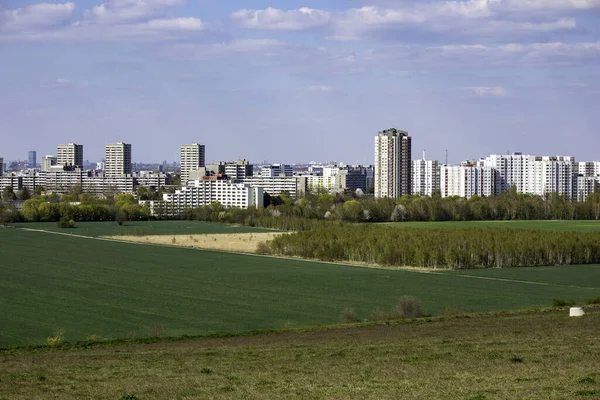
<point x="568" y="226"/>
<point x="93" y="288"/>
<point x="142" y="228"/>
<point x="506" y="356"/>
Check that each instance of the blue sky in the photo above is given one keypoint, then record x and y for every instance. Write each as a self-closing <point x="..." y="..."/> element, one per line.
<point x="291" y="81"/>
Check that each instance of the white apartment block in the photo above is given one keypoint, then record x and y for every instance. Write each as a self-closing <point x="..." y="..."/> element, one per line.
<point x="586" y="185"/>
<point x="392" y="164"/>
<point x="466" y="180"/>
<point x="588" y="168"/>
<point x="205" y="192"/>
<point x="533" y="174"/>
<point x="294" y="186"/>
<point x="118" y="159"/>
<point x="425" y="177"/>
<point x="192" y="158"/>
<point x="69" y="155"/>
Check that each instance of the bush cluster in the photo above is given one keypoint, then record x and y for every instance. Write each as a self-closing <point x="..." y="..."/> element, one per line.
<point x="433" y="248"/>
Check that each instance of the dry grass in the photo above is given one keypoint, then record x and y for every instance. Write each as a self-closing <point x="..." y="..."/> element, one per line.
<point x="514" y="356"/>
<point x="235" y="242"/>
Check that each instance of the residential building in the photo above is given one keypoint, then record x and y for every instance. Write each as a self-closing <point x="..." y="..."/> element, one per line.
<point x="269" y="171"/>
<point x="588" y="168"/>
<point x="586" y="185"/>
<point x="204" y="192"/>
<point x="192" y="159"/>
<point x="392" y="163"/>
<point x="32" y="159"/>
<point x="1" y="166"/>
<point x="11" y="180"/>
<point x="69" y="155"/>
<point x="236" y="171"/>
<point x="118" y="159"/>
<point x="467" y="180"/>
<point x="425" y="177"/>
<point x="48" y="162"/>
<point x="293" y="186"/>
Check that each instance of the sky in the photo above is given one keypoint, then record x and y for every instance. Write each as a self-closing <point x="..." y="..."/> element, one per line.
<point x="298" y="81"/>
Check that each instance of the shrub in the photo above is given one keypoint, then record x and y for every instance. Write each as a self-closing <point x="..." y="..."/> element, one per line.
<point x="206" y="370"/>
<point x="407" y="307"/>
<point x="65" y="222"/>
<point x="562" y="303"/>
<point x="348" y="316"/>
<point x="593" y="300"/>
<point x="516" y="360"/>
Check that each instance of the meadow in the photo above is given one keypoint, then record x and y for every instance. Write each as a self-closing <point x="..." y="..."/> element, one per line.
<point x="505" y="356"/>
<point x="93" y="287"/>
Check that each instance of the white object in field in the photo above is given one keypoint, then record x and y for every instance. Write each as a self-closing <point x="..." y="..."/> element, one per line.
<point x="576" y="312"/>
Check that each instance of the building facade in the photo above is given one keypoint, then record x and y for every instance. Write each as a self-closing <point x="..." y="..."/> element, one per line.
<point x="118" y="159"/>
<point x="1" y="166"/>
<point x="192" y="158"/>
<point x="69" y="155"/>
<point x="467" y="180"/>
<point x="293" y="186"/>
<point x="205" y="192"/>
<point x="393" y="164"/>
<point x="425" y="177"/>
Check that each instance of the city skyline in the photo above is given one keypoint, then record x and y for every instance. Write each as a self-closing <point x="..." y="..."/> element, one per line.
<point x="304" y="82"/>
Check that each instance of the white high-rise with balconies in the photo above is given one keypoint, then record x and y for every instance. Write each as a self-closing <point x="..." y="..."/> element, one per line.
<point x="192" y="159"/>
<point x="69" y="155"/>
<point x="118" y="159"/>
<point x="425" y="177"/>
<point x="393" y="164"/>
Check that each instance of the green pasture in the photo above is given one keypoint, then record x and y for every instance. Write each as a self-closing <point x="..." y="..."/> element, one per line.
<point x="88" y="286"/>
<point x="565" y="226"/>
<point x="142" y="228"/>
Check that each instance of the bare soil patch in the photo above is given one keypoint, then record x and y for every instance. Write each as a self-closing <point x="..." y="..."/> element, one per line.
<point x="235" y="242"/>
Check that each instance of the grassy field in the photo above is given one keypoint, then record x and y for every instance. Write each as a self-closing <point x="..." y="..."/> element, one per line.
<point x="507" y="356"/>
<point x="139" y="228"/>
<point x="567" y="226"/>
<point x="88" y="286"/>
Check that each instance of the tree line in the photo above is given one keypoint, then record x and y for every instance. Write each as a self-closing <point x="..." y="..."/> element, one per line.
<point x="437" y="248"/>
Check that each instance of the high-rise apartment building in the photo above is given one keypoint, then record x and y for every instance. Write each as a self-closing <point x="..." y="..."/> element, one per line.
<point x="32" y="159"/>
<point x="118" y="159"/>
<point x="393" y="163"/>
<point x="425" y="177"/>
<point x="1" y="166"/>
<point x="192" y="159"/>
<point x="467" y="180"/>
<point x="69" y="155"/>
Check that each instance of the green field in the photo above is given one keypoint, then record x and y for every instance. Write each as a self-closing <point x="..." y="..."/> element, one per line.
<point x="567" y="226"/>
<point x="91" y="286"/>
<point x="142" y="228"/>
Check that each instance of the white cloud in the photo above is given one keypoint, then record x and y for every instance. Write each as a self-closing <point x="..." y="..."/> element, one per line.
<point x="119" y="11"/>
<point x="464" y="18"/>
<point x="486" y="91"/>
<point x="276" y="19"/>
<point x="35" y="17"/>
<point x="117" y="20"/>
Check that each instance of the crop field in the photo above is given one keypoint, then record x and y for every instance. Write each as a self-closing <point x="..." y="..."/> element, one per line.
<point x="142" y="228"/>
<point x="505" y="356"/>
<point x="564" y="226"/>
<point x="84" y="286"/>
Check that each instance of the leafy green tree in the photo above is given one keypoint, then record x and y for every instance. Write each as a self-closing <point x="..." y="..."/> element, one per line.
<point x="8" y="194"/>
